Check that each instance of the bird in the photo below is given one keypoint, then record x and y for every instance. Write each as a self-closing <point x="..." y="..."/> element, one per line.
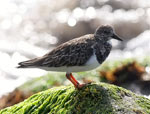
<point x="77" y="55"/>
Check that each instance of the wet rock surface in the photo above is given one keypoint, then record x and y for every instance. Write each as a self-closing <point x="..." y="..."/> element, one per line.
<point x="94" y="98"/>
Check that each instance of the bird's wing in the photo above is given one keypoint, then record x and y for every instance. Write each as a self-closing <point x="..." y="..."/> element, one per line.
<point x="73" y="53"/>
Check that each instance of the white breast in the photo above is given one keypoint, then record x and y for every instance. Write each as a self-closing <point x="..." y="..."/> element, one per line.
<point x="92" y="62"/>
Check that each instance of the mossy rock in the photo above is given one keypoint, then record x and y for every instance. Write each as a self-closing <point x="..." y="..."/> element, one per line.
<point x="100" y="98"/>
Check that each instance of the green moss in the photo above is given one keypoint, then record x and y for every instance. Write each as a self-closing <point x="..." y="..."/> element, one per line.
<point x="144" y="103"/>
<point x="98" y="98"/>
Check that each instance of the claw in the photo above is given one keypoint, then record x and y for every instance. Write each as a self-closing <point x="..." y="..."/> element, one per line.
<point x="80" y="86"/>
<point x="74" y="81"/>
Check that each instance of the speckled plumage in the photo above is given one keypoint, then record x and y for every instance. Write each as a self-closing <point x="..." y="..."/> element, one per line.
<point x="80" y="54"/>
<point x="75" y="52"/>
<point x="72" y="53"/>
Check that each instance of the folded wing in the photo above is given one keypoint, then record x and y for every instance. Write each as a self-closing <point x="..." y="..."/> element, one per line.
<point x="73" y="53"/>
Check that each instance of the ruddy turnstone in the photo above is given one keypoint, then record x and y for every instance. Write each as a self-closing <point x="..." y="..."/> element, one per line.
<point x="80" y="54"/>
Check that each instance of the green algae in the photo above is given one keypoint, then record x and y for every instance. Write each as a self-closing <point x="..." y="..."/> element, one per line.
<point x="98" y="98"/>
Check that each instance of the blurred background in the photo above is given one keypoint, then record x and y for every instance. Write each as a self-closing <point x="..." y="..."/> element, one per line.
<point x="30" y="28"/>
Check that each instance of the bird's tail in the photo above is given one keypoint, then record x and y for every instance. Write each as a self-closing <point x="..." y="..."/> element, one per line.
<point x="27" y="64"/>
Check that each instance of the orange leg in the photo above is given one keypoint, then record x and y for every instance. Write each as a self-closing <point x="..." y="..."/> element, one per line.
<point x="74" y="81"/>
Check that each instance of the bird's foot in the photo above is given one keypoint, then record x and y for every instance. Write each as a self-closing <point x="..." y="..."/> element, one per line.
<point x="79" y="86"/>
<point x="76" y="84"/>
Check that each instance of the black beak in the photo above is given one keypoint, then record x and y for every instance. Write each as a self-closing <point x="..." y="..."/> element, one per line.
<point x="116" y="37"/>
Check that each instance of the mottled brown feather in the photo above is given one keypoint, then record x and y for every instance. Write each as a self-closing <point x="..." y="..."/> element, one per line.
<point x="75" y="52"/>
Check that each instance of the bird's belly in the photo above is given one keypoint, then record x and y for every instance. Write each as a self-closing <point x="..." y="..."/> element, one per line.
<point x="92" y="63"/>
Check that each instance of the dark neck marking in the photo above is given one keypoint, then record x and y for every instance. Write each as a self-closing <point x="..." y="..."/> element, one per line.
<point x="102" y="50"/>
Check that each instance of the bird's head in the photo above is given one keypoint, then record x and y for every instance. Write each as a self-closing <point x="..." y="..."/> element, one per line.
<point x="106" y="33"/>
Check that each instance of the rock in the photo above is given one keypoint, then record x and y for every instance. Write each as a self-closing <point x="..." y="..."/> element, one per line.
<point x="100" y="98"/>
